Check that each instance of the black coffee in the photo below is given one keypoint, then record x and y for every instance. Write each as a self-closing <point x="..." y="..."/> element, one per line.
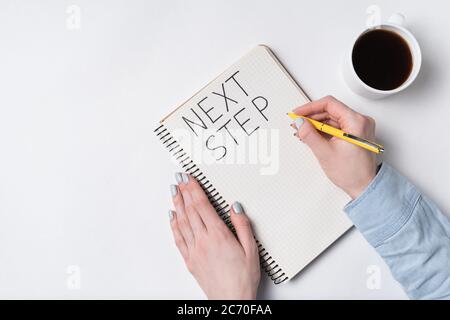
<point x="382" y="59"/>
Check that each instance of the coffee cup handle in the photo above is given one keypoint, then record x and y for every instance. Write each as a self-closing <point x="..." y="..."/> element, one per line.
<point x="397" y="19"/>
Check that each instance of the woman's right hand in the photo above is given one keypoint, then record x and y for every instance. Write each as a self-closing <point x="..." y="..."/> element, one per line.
<point x="349" y="167"/>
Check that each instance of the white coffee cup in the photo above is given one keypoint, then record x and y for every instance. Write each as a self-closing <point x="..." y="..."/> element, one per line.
<point x="395" y="24"/>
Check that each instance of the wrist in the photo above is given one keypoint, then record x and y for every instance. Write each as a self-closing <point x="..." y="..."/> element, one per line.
<point x="243" y="294"/>
<point x="249" y="294"/>
<point x="355" y="192"/>
<point x="358" y="189"/>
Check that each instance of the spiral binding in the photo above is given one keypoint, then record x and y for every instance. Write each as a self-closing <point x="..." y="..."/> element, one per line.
<point x="268" y="264"/>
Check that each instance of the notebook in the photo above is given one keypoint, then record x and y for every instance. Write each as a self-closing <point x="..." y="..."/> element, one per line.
<point x="235" y="138"/>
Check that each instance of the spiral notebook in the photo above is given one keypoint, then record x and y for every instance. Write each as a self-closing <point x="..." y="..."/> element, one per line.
<point x="234" y="137"/>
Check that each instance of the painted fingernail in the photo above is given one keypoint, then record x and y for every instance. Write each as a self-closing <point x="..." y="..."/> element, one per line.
<point x="185" y="178"/>
<point x="237" y="207"/>
<point x="171" y="215"/>
<point x="173" y="190"/>
<point x="178" y="177"/>
<point x="299" y="122"/>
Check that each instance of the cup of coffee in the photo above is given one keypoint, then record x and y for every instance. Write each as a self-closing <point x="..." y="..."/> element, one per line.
<point x="383" y="60"/>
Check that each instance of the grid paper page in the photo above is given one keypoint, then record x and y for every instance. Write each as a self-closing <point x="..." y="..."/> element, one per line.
<point x="296" y="212"/>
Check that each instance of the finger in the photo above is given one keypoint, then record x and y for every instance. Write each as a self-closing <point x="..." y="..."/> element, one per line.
<point x="333" y="123"/>
<point x="323" y="134"/>
<point x="177" y="236"/>
<point x="327" y="104"/>
<point x="309" y="135"/>
<point x="191" y="207"/>
<point x="183" y="221"/>
<point x="207" y="213"/>
<point x="243" y="228"/>
<point x="323" y="116"/>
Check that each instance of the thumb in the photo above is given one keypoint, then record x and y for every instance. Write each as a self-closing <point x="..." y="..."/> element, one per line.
<point x="243" y="228"/>
<point x="312" y="137"/>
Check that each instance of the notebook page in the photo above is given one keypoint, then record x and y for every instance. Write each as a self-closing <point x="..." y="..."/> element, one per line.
<point x="237" y="132"/>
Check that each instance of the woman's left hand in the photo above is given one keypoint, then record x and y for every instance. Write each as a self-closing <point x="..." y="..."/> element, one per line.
<point x="225" y="267"/>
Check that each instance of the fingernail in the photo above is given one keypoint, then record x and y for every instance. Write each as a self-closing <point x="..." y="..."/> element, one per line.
<point x="178" y="177"/>
<point x="170" y="215"/>
<point x="237" y="207"/>
<point x="299" y="122"/>
<point x="173" y="190"/>
<point x="185" y="178"/>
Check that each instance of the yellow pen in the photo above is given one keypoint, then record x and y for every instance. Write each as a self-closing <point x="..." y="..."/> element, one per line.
<point x="363" y="143"/>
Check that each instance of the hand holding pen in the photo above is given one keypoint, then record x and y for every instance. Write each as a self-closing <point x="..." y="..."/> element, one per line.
<point x="335" y="132"/>
<point x="350" y="168"/>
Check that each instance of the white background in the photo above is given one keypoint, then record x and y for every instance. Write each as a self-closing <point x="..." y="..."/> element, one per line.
<point x="84" y="182"/>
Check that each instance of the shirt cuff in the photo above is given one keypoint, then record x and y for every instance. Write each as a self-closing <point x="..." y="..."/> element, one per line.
<point x="384" y="207"/>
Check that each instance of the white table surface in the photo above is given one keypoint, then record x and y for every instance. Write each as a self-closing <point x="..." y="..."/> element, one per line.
<point x="83" y="181"/>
